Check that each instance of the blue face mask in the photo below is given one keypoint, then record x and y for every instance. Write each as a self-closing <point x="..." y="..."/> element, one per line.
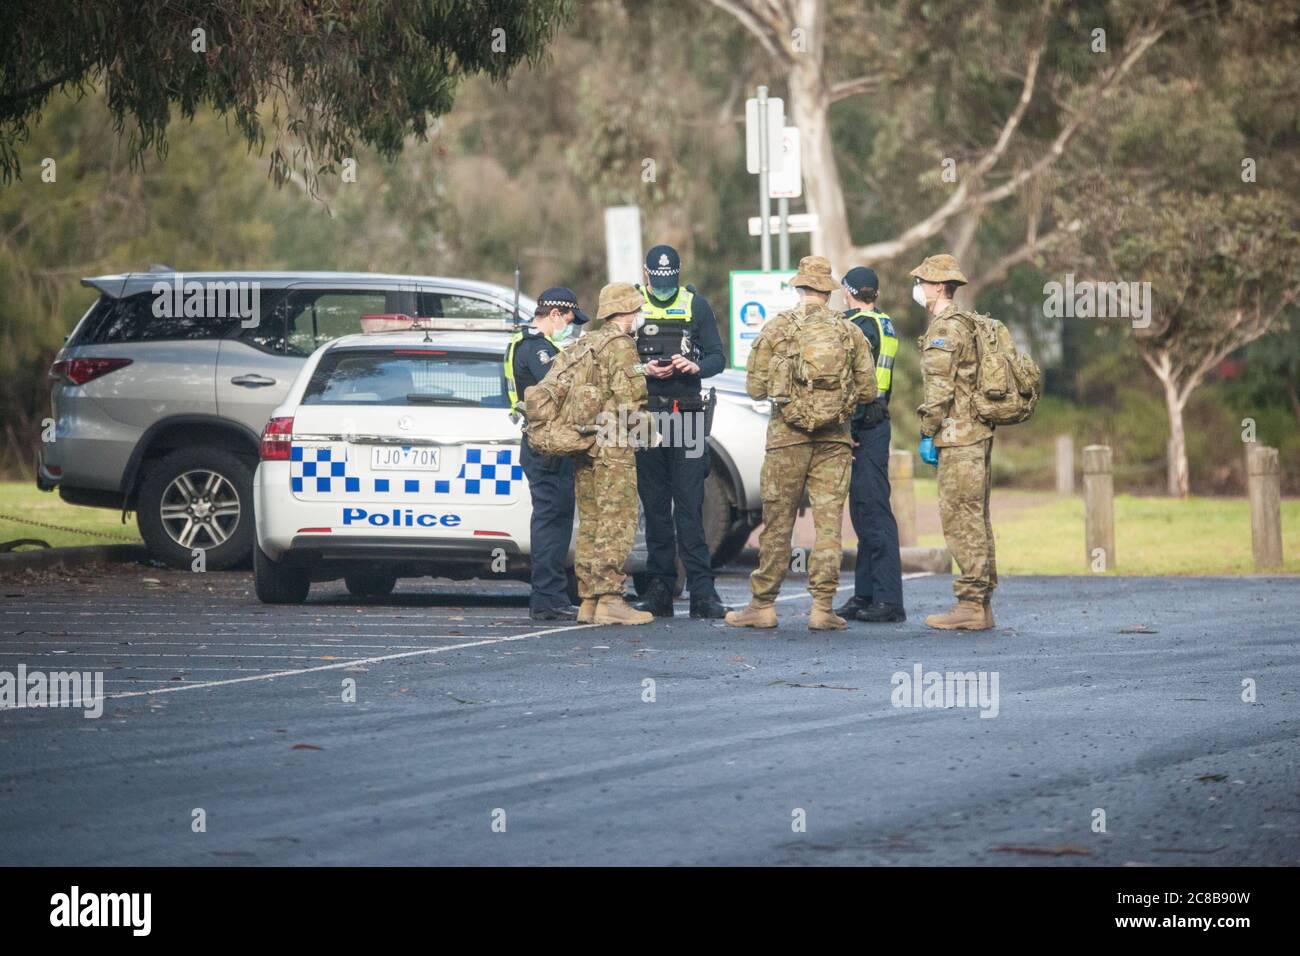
<point x="663" y="293"/>
<point x="563" y="334"/>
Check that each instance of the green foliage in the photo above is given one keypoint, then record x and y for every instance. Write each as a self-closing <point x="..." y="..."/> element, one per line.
<point x="334" y="74"/>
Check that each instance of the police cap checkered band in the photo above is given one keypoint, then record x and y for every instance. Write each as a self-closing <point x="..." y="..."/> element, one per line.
<point x="662" y="262"/>
<point x="559" y="297"/>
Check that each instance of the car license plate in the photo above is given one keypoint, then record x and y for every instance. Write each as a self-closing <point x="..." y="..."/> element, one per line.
<point x="392" y="458"/>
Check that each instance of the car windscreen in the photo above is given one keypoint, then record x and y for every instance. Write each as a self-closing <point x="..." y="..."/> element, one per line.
<point x="407" y="376"/>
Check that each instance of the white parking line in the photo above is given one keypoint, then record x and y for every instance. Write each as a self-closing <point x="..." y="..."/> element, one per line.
<point x="354" y="663"/>
<point x="845" y="587"/>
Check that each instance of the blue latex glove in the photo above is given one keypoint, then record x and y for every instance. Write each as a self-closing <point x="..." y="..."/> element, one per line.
<point x="929" y="454"/>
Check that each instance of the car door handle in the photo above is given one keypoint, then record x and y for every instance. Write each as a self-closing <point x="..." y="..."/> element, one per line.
<point x="252" y="381"/>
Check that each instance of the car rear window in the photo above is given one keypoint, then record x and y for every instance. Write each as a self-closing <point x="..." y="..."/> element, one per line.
<point x="407" y="377"/>
<point x="134" y="319"/>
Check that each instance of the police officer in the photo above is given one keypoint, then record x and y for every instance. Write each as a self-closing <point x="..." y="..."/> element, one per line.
<point x="550" y="478"/>
<point x="679" y="345"/>
<point x="878" y="581"/>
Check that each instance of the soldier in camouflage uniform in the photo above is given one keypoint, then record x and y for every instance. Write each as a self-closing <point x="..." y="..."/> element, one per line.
<point x="605" y="476"/>
<point x="818" y="461"/>
<point x="954" y="439"/>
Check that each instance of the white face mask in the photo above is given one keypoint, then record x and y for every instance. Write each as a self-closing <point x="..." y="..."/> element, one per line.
<point x="918" y="295"/>
<point x="640" y="321"/>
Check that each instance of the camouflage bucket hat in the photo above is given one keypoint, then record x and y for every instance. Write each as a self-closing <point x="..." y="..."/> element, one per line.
<point x="814" y="273"/>
<point x="940" y="268"/>
<point x="618" y="298"/>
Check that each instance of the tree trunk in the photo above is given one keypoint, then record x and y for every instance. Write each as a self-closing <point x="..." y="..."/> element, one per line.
<point x="1178" y="477"/>
<point x="823" y="193"/>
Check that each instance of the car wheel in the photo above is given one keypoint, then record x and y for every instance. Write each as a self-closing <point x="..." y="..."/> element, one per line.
<point x="276" y="582"/>
<point x="370" y="583"/>
<point x="718" y="526"/>
<point x="197" y="499"/>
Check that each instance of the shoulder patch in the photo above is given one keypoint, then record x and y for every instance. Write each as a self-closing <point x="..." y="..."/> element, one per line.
<point x="545" y="356"/>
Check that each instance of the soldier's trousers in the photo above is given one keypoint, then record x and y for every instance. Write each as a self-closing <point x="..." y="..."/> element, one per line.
<point x="550" y="484"/>
<point x="606" y="492"/>
<point x="822" y="468"/>
<point x="964" y="479"/>
<point x="878" y="577"/>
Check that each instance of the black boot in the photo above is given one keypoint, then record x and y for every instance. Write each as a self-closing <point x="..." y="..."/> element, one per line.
<point x="569" y="613"/>
<point x="852" y="606"/>
<point x="658" y="600"/>
<point x="882" y="614"/>
<point x="710" y="606"/>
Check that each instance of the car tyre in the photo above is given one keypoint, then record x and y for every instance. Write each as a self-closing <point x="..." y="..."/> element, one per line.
<point x="219" y="486"/>
<point x="277" y="582"/>
<point x="370" y="583"/>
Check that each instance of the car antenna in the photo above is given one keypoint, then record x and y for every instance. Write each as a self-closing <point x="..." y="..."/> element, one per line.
<point x="516" y="295"/>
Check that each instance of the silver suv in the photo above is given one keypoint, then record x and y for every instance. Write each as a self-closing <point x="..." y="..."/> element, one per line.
<point x="163" y="388"/>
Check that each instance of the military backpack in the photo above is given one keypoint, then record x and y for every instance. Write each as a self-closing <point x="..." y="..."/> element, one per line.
<point x="562" y="408"/>
<point x="812" y="371"/>
<point x="1008" y="382"/>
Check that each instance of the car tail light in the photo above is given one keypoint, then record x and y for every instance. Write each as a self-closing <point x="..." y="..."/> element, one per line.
<point x="277" y="437"/>
<point x="79" y="371"/>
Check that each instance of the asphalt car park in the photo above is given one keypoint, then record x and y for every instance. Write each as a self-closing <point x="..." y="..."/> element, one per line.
<point x="478" y="737"/>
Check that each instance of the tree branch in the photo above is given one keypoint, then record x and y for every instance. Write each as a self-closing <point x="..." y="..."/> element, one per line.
<point x="859" y="84"/>
<point x="1103" y="91"/>
<point x="752" y="19"/>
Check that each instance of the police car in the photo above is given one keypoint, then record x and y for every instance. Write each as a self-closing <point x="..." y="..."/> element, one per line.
<point x="392" y="456"/>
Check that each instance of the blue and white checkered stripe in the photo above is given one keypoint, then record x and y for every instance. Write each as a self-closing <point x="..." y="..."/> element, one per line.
<point x="487" y="472"/>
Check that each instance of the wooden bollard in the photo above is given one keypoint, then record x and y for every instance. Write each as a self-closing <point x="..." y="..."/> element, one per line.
<point x="1264" y="486"/>
<point x="902" y="496"/>
<point x="1064" y="465"/>
<point x="1098" y="508"/>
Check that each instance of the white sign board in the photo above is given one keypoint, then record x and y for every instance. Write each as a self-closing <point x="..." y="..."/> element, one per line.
<point x="797" y="222"/>
<point x="755" y="298"/>
<point x="775" y="127"/>
<point x="787" y="181"/>
<point x="623" y="253"/>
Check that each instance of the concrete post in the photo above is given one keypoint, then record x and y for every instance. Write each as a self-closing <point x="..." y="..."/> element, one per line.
<point x="1099" y="508"/>
<point x="1064" y="465"/>
<point x="1264" y="487"/>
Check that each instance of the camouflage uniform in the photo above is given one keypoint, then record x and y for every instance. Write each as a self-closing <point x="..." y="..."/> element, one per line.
<point x="605" y="477"/>
<point x="949" y="366"/>
<point x="818" y="461"/>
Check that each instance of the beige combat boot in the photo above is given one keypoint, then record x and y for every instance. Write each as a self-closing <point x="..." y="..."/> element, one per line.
<point x="964" y="616"/>
<point x="587" y="612"/>
<point x="822" y="617"/>
<point x="754" y="614"/>
<point x="612" y="609"/>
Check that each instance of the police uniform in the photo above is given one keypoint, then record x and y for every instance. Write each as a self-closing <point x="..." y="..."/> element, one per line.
<point x="797" y="461"/>
<point x="964" y="445"/>
<point x="878" y="577"/>
<point x="550" y="478"/>
<point x="671" y="477"/>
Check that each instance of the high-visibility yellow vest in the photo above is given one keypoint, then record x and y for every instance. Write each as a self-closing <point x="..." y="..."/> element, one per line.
<point x="515" y="339"/>
<point x="888" y="349"/>
<point x="678" y="310"/>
